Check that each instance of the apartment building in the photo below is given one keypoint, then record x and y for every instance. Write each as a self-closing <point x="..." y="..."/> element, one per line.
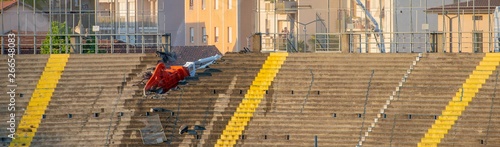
<point x="223" y="23"/>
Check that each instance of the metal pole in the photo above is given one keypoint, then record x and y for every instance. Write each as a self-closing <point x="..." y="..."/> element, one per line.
<point x="50" y="27"/>
<point x="367" y="44"/>
<point x="305" y="38"/>
<point x="297" y="32"/>
<point x="18" y="29"/>
<point x="66" y="27"/>
<point x="143" y="49"/>
<point x="1" y="18"/>
<point x="315" y="141"/>
<point x="489" y="28"/>
<point x="328" y="28"/>
<point x="80" y="48"/>
<point x="427" y="31"/>
<point x="459" y="30"/>
<point x="411" y="26"/>
<point x="380" y="20"/>
<point x="396" y="24"/>
<point x="34" y="30"/>
<point x="275" y="27"/>
<point x="474" y="26"/>
<point x="96" y="7"/>
<point x="444" y="26"/>
<point x="126" y="28"/>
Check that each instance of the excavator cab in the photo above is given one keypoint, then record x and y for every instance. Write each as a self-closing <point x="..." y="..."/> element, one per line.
<point x="164" y="79"/>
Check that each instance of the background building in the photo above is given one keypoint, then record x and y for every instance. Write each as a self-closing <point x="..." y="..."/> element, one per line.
<point x="223" y="23"/>
<point x="466" y="26"/>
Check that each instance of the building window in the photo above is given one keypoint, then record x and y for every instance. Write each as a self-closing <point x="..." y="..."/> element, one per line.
<point x="229" y="4"/>
<point x="268" y="7"/>
<point x="216" y="5"/>
<point x="477" y="18"/>
<point x="191" y="4"/>
<point x="478" y="42"/>
<point x="216" y="32"/>
<point x="191" y="31"/>
<point x="204" y="34"/>
<point x="268" y="26"/>
<point x="203" y="4"/>
<point x="229" y="34"/>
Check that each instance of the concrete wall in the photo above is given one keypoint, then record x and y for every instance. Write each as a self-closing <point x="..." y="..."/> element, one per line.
<point x="246" y="20"/>
<point x="408" y="19"/>
<point x="171" y="19"/>
<point x="26" y="21"/>
<point x="326" y="9"/>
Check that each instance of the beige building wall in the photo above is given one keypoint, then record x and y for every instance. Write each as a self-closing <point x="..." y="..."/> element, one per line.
<point x="328" y="10"/>
<point x="218" y="17"/>
<point x="466" y="42"/>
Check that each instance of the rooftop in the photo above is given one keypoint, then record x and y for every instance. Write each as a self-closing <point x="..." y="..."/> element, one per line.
<point x="7" y="4"/>
<point x="479" y="6"/>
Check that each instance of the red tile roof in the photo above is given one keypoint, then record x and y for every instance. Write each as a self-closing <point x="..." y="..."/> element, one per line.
<point x="7" y="4"/>
<point x="480" y="6"/>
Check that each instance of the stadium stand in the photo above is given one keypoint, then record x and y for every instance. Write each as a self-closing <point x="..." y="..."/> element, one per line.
<point x="90" y="92"/>
<point x="29" y="69"/>
<point x="428" y="90"/>
<point x="324" y="95"/>
<point x="342" y="99"/>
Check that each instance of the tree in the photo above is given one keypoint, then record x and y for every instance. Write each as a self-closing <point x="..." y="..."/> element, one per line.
<point x="40" y="4"/>
<point x="57" y="33"/>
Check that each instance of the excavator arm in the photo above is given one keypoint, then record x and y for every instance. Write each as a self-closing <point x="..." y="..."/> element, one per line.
<point x="164" y="79"/>
<point x="381" y="44"/>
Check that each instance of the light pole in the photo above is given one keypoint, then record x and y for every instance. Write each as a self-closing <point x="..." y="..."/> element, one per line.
<point x="305" y="30"/>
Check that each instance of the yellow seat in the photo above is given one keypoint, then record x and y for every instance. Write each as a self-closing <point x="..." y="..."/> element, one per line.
<point x="439" y="126"/>
<point x="427" y="144"/>
<point x="431" y="140"/>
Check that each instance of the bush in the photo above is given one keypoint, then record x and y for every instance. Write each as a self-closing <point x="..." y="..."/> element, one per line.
<point x="90" y="44"/>
<point x="59" y="36"/>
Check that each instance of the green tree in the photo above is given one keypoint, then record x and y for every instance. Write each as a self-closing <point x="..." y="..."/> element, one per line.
<point x="57" y="33"/>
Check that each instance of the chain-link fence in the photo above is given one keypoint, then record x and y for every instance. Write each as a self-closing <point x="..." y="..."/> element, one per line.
<point x="368" y="26"/>
<point x="363" y="26"/>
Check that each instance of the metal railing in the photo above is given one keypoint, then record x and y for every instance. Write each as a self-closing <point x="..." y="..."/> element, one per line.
<point x="33" y="43"/>
<point x="308" y="91"/>
<point x="491" y="108"/>
<point x="395" y="120"/>
<point x="364" y="107"/>
<point x="359" y="41"/>
<point x="324" y="42"/>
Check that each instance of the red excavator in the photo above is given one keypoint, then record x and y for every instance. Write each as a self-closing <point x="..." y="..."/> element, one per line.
<point x="164" y="79"/>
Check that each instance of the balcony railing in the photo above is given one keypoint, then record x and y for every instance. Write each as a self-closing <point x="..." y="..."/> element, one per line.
<point x="284" y="6"/>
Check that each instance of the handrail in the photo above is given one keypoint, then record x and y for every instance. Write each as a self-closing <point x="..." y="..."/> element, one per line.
<point x="395" y="120"/>
<point x="177" y="114"/>
<point x="309" y="91"/>
<point x="294" y="49"/>
<point x="491" y="109"/>
<point x="392" y="130"/>
<point x="364" y="109"/>
<point x="114" y="109"/>
<point x="456" y="129"/>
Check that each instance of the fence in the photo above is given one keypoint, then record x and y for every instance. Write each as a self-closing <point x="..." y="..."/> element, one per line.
<point x="395" y="42"/>
<point x="32" y="43"/>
